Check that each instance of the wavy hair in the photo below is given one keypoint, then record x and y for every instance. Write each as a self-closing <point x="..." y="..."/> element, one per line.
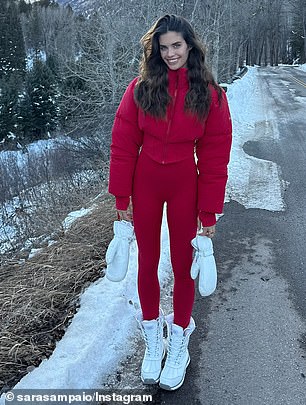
<point x="151" y="92"/>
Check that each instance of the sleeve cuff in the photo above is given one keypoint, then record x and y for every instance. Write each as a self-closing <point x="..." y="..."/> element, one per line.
<point x="122" y="203"/>
<point x="207" y="218"/>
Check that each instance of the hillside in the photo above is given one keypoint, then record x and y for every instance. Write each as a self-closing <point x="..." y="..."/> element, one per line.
<point x="80" y="5"/>
<point x="39" y="297"/>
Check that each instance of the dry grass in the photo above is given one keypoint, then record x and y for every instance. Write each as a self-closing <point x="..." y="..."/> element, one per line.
<point x="39" y="297"/>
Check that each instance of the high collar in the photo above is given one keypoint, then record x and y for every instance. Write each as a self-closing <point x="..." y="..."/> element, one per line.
<point x="178" y="78"/>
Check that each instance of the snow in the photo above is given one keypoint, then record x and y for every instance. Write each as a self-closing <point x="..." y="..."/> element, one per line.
<point x="10" y="222"/>
<point x="35" y="150"/>
<point x="74" y="215"/>
<point x="254" y="183"/>
<point x="102" y="331"/>
<point x="80" y="359"/>
<point x="19" y="162"/>
<point x="68" y="221"/>
<point x="303" y="67"/>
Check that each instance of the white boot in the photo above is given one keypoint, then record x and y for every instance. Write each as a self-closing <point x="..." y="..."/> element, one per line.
<point x="173" y="374"/>
<point x="155" y="348"/>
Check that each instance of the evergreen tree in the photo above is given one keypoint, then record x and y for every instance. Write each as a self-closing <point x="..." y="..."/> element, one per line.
<point x="9" y="109"/>
<point x="12" y="52"/>
<point x="53" y="64"/>
<point x="75" y="96"/>
<point x="42" y="99"/>
<point x="25" y="119"/>
<point x="24" y="7"/>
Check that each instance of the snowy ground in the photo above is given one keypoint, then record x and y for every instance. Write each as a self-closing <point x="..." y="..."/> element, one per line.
<point x="251" y="178"/>
<point x="102" y="332"/>
<point x="303" y="67"/>
<point x="32" y="178"/>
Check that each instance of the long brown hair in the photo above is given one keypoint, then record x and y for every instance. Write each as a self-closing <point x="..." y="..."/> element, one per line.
<point x="151" y="92"/>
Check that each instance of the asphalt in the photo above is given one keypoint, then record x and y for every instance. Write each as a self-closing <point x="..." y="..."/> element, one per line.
<point x="249" y="347"/>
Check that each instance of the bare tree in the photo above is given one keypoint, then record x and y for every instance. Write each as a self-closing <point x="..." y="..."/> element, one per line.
<point x="52" y="30"/>
<point x="298" y="31"/>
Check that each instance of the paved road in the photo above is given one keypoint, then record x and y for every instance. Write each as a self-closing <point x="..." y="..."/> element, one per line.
<point x="253" y="348"/>
<point x="249" y="347"/>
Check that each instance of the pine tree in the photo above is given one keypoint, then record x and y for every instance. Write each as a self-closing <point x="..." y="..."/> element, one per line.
<point x="42" y="98"/>
<point x="24" y="7"/>
<point x="25" y="119"/>
<point x="12" y="52"/>
<point x="9" y="99"/>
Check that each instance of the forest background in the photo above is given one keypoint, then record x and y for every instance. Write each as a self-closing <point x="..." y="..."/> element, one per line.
<point x="64" y="66"/>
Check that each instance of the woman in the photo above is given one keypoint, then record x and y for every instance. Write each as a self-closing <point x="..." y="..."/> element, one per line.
<point x="173" y="109"/>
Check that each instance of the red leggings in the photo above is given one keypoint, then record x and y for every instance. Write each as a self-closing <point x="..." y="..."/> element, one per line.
<point x="176" y="185"/>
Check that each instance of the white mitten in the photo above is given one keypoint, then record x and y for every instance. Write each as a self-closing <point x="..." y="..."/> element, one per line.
<point x="118" y="251"/>
<point x="205" y="264"/>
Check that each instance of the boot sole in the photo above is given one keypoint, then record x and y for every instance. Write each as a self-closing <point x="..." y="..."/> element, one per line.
<point x="169" y="388"/>
<point x="151" y="381"/>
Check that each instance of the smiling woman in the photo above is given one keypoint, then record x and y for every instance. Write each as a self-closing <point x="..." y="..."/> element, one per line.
<point x="171" y="110"/>
<point x="174" y="50"/>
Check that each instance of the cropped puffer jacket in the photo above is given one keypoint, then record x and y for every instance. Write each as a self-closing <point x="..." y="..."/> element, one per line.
<point x="171" y="140"/>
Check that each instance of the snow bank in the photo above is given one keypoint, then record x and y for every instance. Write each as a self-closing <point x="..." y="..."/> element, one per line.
<point x="303" y="67"/>
<point x="254" y="183"/>
<point x="101" y="332"/>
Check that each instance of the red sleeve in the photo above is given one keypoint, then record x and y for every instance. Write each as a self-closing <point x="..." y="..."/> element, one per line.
<point x="122" y="203"/>
<point x="213" y="153"/>
<point x="126" y="142"/>
<point x="207" y="218"/>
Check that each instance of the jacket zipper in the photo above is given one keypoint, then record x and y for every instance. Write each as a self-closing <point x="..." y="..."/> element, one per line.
<point x="170" y="121"/>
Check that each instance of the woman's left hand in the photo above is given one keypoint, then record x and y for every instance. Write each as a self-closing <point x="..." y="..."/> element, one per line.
<point x="208" y="231"/>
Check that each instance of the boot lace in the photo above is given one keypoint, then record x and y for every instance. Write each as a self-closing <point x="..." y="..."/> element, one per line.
<point x="152" y="341"/>
<point x="176" y="349"/>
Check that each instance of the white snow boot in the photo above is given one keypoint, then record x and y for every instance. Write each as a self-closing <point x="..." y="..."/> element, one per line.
<point x="152" y="332"/>
<point x="178" y="359"/>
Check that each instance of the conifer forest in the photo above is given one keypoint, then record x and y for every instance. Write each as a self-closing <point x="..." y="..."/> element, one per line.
<point x="64" y="66"/>
<point x="63" y="69"/>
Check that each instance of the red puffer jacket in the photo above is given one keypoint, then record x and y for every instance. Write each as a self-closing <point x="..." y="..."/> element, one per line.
<point x="172" y="140"/>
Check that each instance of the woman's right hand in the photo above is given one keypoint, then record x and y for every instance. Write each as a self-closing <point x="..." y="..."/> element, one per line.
<point x="126" y="215"/>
